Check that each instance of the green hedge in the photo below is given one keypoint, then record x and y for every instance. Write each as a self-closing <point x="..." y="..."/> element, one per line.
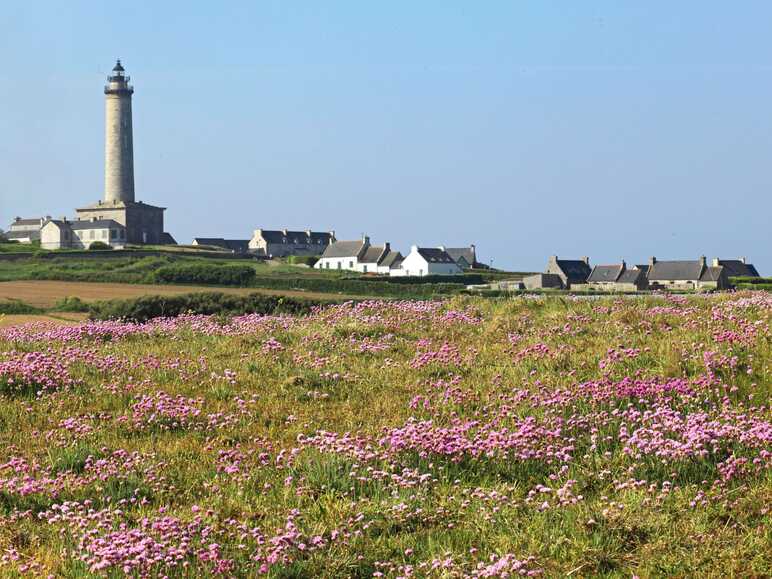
<point x="206" y="274"/>
<point x="750" y="280"/>
<point x="148" y="307"/>
<point x="755" y="286"/>
<point x="461" y="278"/>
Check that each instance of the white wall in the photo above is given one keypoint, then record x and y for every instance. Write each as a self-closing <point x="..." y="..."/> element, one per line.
<point x="415" y="265"/>
<point x="346" y="263"/>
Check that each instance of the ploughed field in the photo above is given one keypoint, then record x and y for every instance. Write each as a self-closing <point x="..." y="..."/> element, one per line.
<point x="531" y="436"/>
<point x="46" y="293"/>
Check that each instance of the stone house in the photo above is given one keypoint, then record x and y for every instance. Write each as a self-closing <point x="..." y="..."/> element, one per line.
<point x="543" y="281"/>
<point x="284" y="242"/>
<point x="571" y="271"/>
<point x="25" y="230"/>
<point x="422" y="261"/>
<point x="232" y="245"/>
<point x="80" y="234"/>
<point x="617" y="278"/>
<point x="686" y="275"/>
<point x="144" y="223"/>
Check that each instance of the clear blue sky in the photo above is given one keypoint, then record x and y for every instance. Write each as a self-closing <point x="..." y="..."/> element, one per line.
<point x="609" y="129"/>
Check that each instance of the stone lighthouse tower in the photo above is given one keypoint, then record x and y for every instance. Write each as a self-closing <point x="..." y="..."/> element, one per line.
<point x="144" y="223"/>
<point x="119" y="143"/>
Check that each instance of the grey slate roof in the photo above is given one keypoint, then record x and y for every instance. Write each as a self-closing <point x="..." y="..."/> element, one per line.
<point x="372" y="254"/>
<point x="344" y="249"/>
<point x="575" y="270"/>
<point x="28" y="234"/>
<point x="630" y="276"/>
<point x="467" y="253"/>
<point x="435" y="255"/>
<point x="605" y="273"/>
<point x="675" y="270"/>
<point x="736" y="268"/>
<point x="392" y="260"/>
<point x="235" y="245"/>
<point x="711" y="273"/>
<point x="298" y="237"/>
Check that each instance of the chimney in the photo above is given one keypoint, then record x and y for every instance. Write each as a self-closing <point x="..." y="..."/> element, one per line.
<point x="442" y="247"/>
<point x="743" y="259"/>
<point x="702" y="262"/>
<point x="365" y="239"/>
<point x="624" y="265"/>
<point x="387" y="247"/>
<point x="652" y="261"/>
<point x="308" y="232"/>
<point x="715" y="262"/>
<point x="413" y="249"/>
<point x="586" y="259"/>
<point x="284" y="231"/>
<point x="553" y="260"/>
<point x="332" y="236"/>
<point x="18" y="219"/>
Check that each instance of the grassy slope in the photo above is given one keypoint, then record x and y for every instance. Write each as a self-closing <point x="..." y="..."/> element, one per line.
<point x="649" y="529"/>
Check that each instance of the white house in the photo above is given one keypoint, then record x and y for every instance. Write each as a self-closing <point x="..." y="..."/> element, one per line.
<point x="80" y="234"/>
<point x="359" y="256"/>
<point x="423" y="261"/>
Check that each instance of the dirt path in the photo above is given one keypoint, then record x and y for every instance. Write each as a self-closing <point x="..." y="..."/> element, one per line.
<point x="45" y="293"/>
<point x="65" y="318"/>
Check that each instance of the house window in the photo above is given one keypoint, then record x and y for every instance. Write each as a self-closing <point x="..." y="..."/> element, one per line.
<point x="327" y="265"/>
<point x="340" y="264"/>
<point x="364" y="269"/>
<point x="91" y="234"/>
<point x="113" y="234"/>
<point x="420" y="272"/>
<point x="351" y="265"/>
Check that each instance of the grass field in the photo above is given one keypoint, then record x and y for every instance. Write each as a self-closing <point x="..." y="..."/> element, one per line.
<point x="478" y="438"/>
<point x="46" y="293"/>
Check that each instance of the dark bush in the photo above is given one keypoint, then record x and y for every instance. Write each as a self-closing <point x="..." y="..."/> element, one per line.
<point x="99" y="246"/>
<point x="17" y="307"/>
<point x="206" y="274"/>
<point x="356" y="286"/>
<point x="71" y="304"/>
<point x="148" y="307"/>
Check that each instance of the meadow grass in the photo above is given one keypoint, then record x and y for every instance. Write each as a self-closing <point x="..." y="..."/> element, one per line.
<point x="469" y="437"/>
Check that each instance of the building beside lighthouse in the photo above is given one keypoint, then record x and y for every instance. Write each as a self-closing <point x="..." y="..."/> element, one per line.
<point x="117" y="219"/>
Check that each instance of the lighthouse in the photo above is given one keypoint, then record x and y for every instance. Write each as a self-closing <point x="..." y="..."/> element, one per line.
<point x="143" y="222"/>
<point x="119" y="142"/>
